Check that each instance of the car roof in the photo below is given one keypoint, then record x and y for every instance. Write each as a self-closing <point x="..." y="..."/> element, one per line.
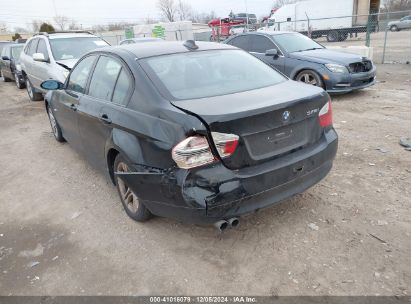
<point x="271" y="33"/>
<point x="17" y="45"/>
<point x="151" y="48"/>
<point x="65" y="35"/>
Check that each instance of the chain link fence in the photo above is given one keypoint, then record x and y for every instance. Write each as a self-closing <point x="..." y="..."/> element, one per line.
<point x="385" y="37"/>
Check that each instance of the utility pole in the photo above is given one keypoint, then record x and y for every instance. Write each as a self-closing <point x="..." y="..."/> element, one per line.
<point x="246" y="11"/>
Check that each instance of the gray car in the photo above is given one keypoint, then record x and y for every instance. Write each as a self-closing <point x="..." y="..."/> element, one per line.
<point x="303" y="59"/>
<point x="51" y="56"/>
<point x="402" y="24"/>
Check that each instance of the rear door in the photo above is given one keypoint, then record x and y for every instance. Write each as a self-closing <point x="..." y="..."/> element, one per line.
<point x="259" y="45"/>
<point x="65" y="103"/>
<point x="100" y="110"/>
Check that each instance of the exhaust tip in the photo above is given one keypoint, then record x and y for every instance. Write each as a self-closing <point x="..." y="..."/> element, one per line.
<point x="234" y="222"/>
<point x="221" y="225"/>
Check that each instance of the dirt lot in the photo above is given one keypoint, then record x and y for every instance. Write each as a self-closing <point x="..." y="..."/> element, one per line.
<point x="63" y="230"/>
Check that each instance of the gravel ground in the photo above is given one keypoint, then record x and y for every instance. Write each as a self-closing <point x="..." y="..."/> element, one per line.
<point x="63" y="230"/>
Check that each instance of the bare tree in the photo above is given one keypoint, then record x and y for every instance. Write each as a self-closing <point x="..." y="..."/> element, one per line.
<point x="280" y="3"/>
<point x="396" y="5"/>
<point x="19" y="29"/>
<point x="168" y="9"/>
<point x="73" y="25"/>
<point x="3" y="26"/>
<point x="184" y="10"/>
<point x="61" y="21"/>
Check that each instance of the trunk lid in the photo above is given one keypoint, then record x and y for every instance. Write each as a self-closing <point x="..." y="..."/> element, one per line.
<point x="270" y="122"/>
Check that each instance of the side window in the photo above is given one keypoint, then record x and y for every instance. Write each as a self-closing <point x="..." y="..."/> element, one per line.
<point x="27" y="47"/>
<point x="261" y="44"/>
<point x="104" y="78"/>
<point x="79" y="75"/>
<point x="241" y="42"/>
<point x="122" y="88"/>
<point x="33" y="47"/>
<point x="42" y="48"/>
<point x="5" y="52"/>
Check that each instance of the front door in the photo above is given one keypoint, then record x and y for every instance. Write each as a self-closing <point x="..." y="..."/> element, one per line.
<point x="67" y="102"/>
<point x="259" y="45"/>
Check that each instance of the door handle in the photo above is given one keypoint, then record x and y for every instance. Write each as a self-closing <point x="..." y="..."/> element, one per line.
<point x="104" y="118"/>
<point x="73" y="107"/>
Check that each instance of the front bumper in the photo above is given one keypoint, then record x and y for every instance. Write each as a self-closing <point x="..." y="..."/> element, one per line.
<point x="207" y="194"/>
<point x="347" y="82"/>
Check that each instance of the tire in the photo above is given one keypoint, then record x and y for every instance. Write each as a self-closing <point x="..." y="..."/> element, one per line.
<point x="333" y="36"/>
<point x="19" y="85"/>
<point x="310" y="77"/>
<point x="55" y="128"/>
<point x="33" y="95"/>
<point x="133" y="207"/>
<point x="394" y="28"/>
<point x="342" y="36"/>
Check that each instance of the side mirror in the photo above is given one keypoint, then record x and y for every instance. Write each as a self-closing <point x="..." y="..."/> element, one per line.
<point x="52" y="85"/>
<point x="5" y="57"/>
<point x="39" y="57"/>
<point x="272" y="52"/>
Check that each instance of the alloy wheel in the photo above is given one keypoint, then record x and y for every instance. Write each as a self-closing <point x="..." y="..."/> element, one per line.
<point x="16" y="77"/>
<point x="308" y="79"/>
<point x="29" y="89"/>
<point x="130" y="199"/>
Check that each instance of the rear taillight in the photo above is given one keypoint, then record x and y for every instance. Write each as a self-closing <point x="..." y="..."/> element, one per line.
<point x="325" y="115"/>
<point x="195" y="151"/>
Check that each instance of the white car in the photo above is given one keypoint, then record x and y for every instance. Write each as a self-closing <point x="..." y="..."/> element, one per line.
<point x="51" y="56"/>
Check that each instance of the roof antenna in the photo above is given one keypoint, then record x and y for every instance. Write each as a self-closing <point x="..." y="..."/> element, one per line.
<point x="191" y="45"/>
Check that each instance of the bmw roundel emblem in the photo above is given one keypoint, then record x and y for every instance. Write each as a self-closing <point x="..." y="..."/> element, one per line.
<point x="286" y="115"/>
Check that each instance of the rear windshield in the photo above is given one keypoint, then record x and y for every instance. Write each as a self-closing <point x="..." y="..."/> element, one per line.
<point x="211" y="73"/>
<point x="74" y="48"/>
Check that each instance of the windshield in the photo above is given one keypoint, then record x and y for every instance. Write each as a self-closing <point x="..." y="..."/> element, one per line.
<point x="16" y="51"/>
<point x="211" y="73"/>
<point x="74" y="48"/>
<point x="296" y="42"/>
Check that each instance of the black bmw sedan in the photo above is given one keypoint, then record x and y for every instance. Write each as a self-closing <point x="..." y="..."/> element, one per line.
<point x="198" y="132"/>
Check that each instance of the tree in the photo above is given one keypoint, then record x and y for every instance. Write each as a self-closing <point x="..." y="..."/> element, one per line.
<point x="16" y="36"/>
<point x="46" y="27"/>
<point x="74" y="25"/>
<point x="184" y="10"/>
<point x="3" y="27"/>
<point x="280" y="3"/>
<point x="35" y="25"/>
<point x="61" y="21"/>
<point x="396" y="5"/>
<point x="168" y="9"/>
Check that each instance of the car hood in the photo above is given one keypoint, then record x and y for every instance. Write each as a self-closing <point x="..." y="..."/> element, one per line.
<point x="67" y="63"/>
<point x="393" y="22"/>
<point x="326" y="56"/>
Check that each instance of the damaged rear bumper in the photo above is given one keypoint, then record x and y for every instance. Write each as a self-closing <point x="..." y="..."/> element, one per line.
<point x="207" y="194"/>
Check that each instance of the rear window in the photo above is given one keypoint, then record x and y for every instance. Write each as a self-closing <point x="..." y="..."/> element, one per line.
<point x="211" y="73"/>
<point x="74" y="47"/>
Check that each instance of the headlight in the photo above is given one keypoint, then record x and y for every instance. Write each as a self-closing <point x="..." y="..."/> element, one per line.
<point x="336" y="68"/>
<point x="66" y="73"/>
<point x="18" y="67"/>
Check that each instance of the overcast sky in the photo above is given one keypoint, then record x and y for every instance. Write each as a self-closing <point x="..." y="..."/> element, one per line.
<point x="90" y="12"/>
